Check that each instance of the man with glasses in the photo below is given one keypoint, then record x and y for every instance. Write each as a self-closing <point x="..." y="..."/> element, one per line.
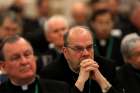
<point x="78" y="66"/>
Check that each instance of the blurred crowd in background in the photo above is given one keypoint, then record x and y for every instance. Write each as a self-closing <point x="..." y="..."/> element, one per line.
<point x="43" y="23"/>
<point x="62" y="6"/>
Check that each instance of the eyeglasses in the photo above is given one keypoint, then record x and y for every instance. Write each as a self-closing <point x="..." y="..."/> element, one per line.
<point x="80" y="49"/>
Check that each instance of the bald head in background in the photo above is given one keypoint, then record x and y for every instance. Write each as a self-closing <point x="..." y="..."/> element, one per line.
<point x="79" y="12"/>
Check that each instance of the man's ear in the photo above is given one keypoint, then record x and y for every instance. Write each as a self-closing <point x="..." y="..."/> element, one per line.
<point x="1" y="64"/>
<point x="2" y="67"/>
<point x="64" y="50"/>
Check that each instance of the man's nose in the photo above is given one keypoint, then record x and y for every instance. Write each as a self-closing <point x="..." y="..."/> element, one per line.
<point x="85" y="51"/>
<point x="23" y="59"/>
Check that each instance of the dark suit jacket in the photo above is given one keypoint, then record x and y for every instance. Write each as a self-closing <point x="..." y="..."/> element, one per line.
<point x="61" y="71"/>
<point x="42" y="86"/>
<point x="128" y="79"/>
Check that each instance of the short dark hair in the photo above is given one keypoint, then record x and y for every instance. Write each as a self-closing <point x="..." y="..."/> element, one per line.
<point x="99" y="12"/>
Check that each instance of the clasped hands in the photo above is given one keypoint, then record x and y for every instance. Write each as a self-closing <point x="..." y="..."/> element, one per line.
<point x="89" y="69"/>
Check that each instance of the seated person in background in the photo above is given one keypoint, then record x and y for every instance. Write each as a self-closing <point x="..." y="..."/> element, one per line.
<point x="106" y="38"/>
<point x="79" y="13"/>
<point x="128" y="76"/>
<point x="10" y="24"/>
<point x="54" y="29"/>
<point x="18" y="61"/>
<point x="79" y="67"/>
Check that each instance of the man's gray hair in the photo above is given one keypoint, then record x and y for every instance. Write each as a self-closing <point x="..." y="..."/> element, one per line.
<point x="53" y="19"/>
<point x="127" y="44"/>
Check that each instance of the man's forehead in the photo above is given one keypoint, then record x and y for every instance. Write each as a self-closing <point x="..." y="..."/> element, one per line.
<point x="80" y="38"/>
<point x="81" y="43"/>
<point x="19" y="43"/>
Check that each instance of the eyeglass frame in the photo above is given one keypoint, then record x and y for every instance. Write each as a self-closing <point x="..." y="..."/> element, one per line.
<point x="80" y="49"/>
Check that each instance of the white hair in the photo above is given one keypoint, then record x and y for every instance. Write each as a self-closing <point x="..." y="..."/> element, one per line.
<point x="53" y="19"/>
<point x="129" y="42"/>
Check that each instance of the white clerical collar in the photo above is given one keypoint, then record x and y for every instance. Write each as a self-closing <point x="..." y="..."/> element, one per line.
<point x="102" y="42"/>
<point x="24" y="87"/>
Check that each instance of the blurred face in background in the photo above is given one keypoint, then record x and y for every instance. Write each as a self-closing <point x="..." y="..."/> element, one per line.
<point x="99" y="5"/>
<point x="79" y="12"/>
<point x="55" y="33"/>
<point x="102" y="25"/>
<point x="113" y="5"/>
<point x="134" y="60"/>
<point x="135" y="17"/>
<point x="43" y="8"/>
<point x="9" y="28"/>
